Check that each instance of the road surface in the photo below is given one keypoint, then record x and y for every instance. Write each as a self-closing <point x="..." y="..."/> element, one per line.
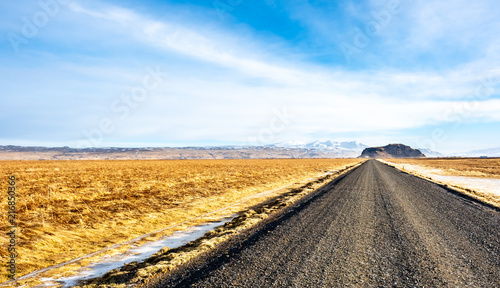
<point x="376" y="227"/>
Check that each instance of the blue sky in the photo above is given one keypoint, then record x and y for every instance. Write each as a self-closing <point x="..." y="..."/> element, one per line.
<point x="236" y="72"/>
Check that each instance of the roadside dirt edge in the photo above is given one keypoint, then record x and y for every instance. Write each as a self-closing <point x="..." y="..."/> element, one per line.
<point x="464" y="192"/>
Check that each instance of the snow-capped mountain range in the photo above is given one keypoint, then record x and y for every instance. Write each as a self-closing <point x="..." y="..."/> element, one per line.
<point x="322" y="145"/>
<point x="333" y="148"/>
<point x="492" y="152"/>
<point x="430" y="153"/>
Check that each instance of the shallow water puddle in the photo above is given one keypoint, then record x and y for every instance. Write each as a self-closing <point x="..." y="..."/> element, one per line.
<point x="135" y="254"/>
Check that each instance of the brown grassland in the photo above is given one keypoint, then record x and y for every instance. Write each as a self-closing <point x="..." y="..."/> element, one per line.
<point x="67" y="209"/>
<point x="470" y="167"/>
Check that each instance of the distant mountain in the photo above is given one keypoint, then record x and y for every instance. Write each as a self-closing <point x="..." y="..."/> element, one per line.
<point x="321" y="145"/>
<point x="391" y="151"/>
<point x="317" y="149"/>
<point x="431" y="153"/>
<point x="336" y="148"/>
<point x="492" y="152"/>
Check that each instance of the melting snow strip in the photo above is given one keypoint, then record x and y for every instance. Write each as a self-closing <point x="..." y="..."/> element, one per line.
<point x="490" y="186"/>
<point x="136" y="254"/>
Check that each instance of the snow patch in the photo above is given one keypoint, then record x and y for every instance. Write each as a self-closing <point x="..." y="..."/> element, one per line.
<point x="488" y="186"/>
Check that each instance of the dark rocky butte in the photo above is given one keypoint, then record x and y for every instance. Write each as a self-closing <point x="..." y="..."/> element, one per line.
<point x="391" y="151"/>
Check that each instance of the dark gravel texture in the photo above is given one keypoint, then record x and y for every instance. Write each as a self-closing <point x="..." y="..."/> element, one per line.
<point x="375" y="227"/>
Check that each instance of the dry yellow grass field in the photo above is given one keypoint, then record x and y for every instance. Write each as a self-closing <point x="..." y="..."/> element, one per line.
<point x="470" y="167"/>
<point x="67" y="209"/>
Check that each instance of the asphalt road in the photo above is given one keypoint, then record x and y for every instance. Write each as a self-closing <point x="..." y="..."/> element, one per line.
<point x="376" y="227"/>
